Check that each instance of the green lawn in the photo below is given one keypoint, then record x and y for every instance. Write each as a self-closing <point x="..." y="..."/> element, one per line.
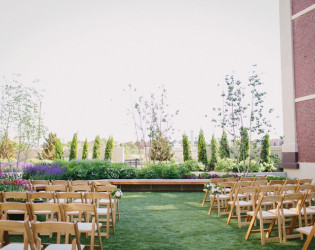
<point x="176" y="220"/>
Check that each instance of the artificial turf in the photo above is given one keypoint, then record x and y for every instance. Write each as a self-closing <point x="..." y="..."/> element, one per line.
<point x="176" y="220"/>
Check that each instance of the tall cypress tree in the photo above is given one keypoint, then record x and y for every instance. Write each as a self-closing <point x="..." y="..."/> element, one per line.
<point x="265" y="150"/>
<point x="202" y="150"/>
<point x="97" y="148"/>
<point x="85" y="151"/>
<point x="224" y="149"/>
<point x="58" y="149"/>
<point x="213" y="153"/>
<point x="109" y="149"/>
<point x="74" y="148"/>
<point x="244" y="145"/>
<point x="186" y="148"/>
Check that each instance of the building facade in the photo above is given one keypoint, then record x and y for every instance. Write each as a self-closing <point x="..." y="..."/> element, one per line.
<point x="297" y="37"/>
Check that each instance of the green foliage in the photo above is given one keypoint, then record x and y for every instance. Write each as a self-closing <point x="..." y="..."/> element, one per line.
<point x="146" y="173"/>
<point x="272" y="178"/>
<point x="193" y="165"/>
<point x="244" y="144"/>
<point x="58" y="149"/>
<point x="85" y="150"/>
<point x="276" y="160"/>
<point x="213" y="153"/>
<point x="161" y="150"/>
<point x="267" y="167"/>
<point x="97" y="148"/>
<point x="265" y="150"/>
<point x="225" y="165"/>
<point x="49" y="148"/>
<point x="186" y="148"/>
<point x="224" y="149"/>
<point x="109" y="149"/>
<point x="6" y="148"/>
<point x="170" y="172"/>
<point x="253" y="166"/>
<point x="74" y="148"/>
<point x="202" y="150"/>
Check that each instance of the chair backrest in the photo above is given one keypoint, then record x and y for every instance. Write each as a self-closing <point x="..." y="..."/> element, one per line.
<point x="96" y="197"/>
<point x="79" y="182"/>
<point x="105" y="188"/>
<point x="305" y="181"/>
<point x="59" y="228"/>
<point x="80" y="209"/>
<point x="291" y="182"/>
<point x="227" y="187"/>
<point x="276" y="201"/>
<point x="60" y="182"/>
<point x="277" y="182"/>
<point x="231" y="179"/>
<point x="68" y="197"/>
<point x="248" y="191"/>
<point x="41" y="195"/>
<point x="13" y="206"/>
<point x="100" y="183"/>
<point x="81" y="188"/>
<point x="304" y="188"/>
<point x="17" y="227"/>
<point x="247" y="178"/>
<point x="56" y="188"/>
<point x="14" y="196"/>
<point x="299" y="197"/>
<point x="243" y="184"/>
<point x="41" y="182"/>
<point x="259" y="183"/>
<point x="287" y="189"/>
<point x="36" y="208"/>
<point x="217" y="180"/>
<point x="261" y="178"/>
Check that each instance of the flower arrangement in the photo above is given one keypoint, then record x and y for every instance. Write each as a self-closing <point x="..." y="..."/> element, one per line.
<point x="117" y="193"/>
<point x="213" y="188"/>
<point x="12" y="185"/>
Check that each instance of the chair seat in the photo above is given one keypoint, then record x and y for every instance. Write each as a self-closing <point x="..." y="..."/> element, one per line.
<point x="265" y="203"/>
<point x="101" y="211"/>
<point x="61" y="247"/>
<point x="106" y="201"/>
<point x="220" y="196"/>
<point x="286" y="212"/>
<point x="305" y="230"/>
<point x="241" y="203"/>
<point x="265" y="215"/>
<point x="87" y="226"/>
<point x="312" y="207"/>
<point x="43" y="212"/>
<point x="14" y="246"/>
<point x="308" y="211"/>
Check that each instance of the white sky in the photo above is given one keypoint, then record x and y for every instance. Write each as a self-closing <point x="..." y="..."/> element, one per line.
<point x="86" y="52"/>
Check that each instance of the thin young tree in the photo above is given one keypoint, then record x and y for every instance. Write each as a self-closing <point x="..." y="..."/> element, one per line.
<point x="202" y="148"/>
<point x="109" y="149"/>
<point x="58" y="149"/>
<point x="85" y="151"/>
<point x="186" y="148"/>
<point x="224" y="148"/>
<point x="244" y="145"/>
<point x="97" y="148"/>
<point x="265" y="150"/>
<point x="74" y="148"/>
<point x="213" y="153"/>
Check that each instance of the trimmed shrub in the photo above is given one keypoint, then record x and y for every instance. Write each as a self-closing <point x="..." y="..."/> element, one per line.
<point x="109" y="149"/>
<point x="193" y="165"/>
<point x="74" y="148"/>
<point x="265" y="150"/>
<point x="213" y="153"/>
<point x="58" y="149"/>
<point x="170" y="172"/>
<point x="224" y="149"/>
<point x="85" y="150"/>
<point x="97" y="148"/>
<point x="225" y="165"/>
<point x="202" y="150"/>
<point x="186" y="149"/>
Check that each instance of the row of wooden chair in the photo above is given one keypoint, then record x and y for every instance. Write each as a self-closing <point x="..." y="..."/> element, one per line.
<point x="31" y="232"/>
<point x="255" y="181"/>
<point x="41" y="184"/>
<point x="78" y="212"/>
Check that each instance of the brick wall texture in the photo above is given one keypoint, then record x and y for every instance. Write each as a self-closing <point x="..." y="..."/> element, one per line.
<point x="304" y="77"/>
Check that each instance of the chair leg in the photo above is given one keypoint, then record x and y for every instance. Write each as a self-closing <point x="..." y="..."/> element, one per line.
<point x="211" y="205"/>
<point x="262" y="233"/>
<point x="205" y="198"/>
<point x="230" y="214"/>
<point x="252" y="222"/>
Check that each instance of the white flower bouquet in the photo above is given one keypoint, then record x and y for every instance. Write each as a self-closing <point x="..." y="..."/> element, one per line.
<point x="213" y="188"/>
<point x="117" y="194"/>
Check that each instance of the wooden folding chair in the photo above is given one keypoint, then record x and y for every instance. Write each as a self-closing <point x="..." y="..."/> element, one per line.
<point x="59" y="228"/>
<point x="310" y="232"/>
<point x="50" y="209"/>
<point x="304" y="188"/>
<point x="221" y="200"/>
<point x="17" y="227"/>
<point x="247" y="178"/>
<point x="43" y="196"/>
<point x="266" y="217"/>
<point x="244" y="198"/>
<point x="81" y="188"/>
<point x="103" y="209"/>
<point x="266" y="191"/>
<point x="14" y="208"/>
<point x="39" y="184"/>
<point x="14" y="196"/>
<point x="100" y="183"/>
<point x="69" y="197"/>
<point x="60" y="182"/>
<point x="84" y="225"/>
<point x="291" y="182"/>
<point x="277" y="182"/>
<point x="56" y="188"/>
<point x="115" y="201"/>
<point x="309" y="210"/>
<point x="293" y="213"/>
